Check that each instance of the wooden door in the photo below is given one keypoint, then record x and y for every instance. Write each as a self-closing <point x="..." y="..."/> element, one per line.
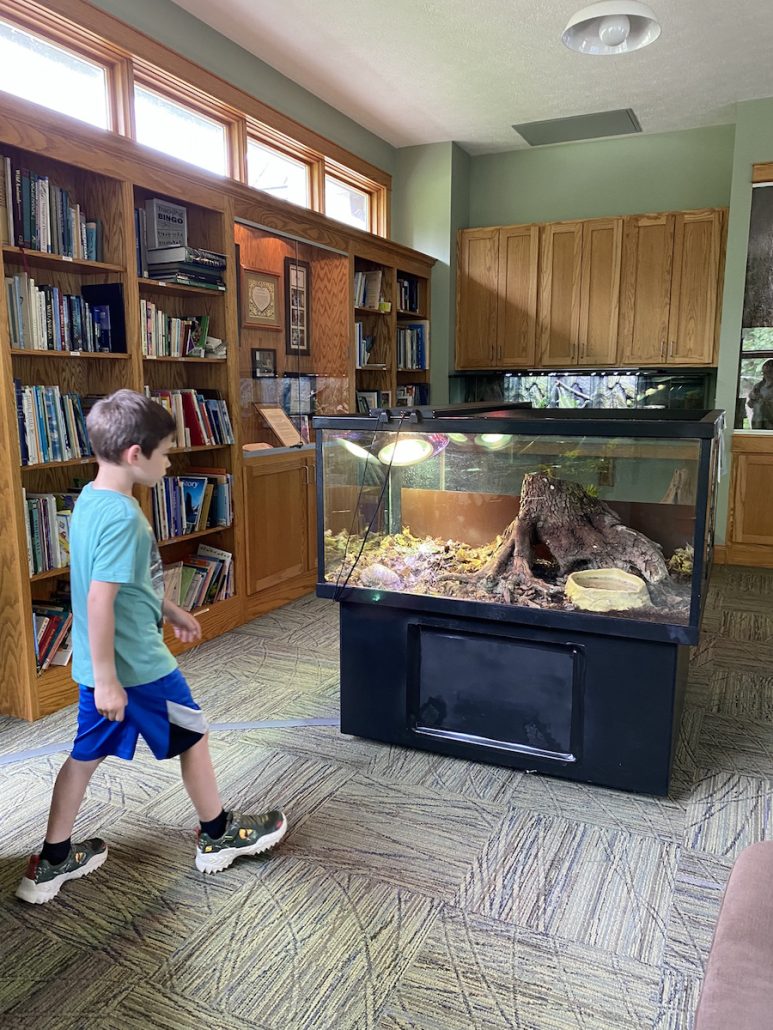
<point x="695" y="288"/>
<point x="602" y="249"/>
<point x="645" y="296"/>
<point x="276" y="499"/>
<point x="477" y="275"/>
<point x="559" y="300"/>
<point x="517" y="311"/>
<point x="750" y="526"/>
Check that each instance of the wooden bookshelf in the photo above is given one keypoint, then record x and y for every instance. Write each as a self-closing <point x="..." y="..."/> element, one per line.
<point x="109" y="176"/>
<point x="383" y="374"/>
<point x="111" y="198"/>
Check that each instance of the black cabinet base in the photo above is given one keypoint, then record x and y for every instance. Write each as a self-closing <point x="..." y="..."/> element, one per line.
<point x="589" y="707"/>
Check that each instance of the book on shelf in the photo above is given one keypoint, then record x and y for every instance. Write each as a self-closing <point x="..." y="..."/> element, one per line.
<point x="205" y="577"/>
<point x="193" y="489"/>
<point x="201" y="499"/>
<point x="413" y="345"/>
<point x="410" y="394"/>
<point x="181" y="278"/>
<point x="52" y="425"/>
<point x="201" y="415"/>
<point x="47" y="524"/>
<point x="164" y="335"/>
<point x="367" y="401"/>
<point x="367" y="289"/>
<point x="43" y="317"/>
<point x="52" y="626"/>
<point x="408" y="294"/>
<point x="364" y="343"/>
<point x="40" y="215"/>
<point x="182" y="255"/>
<point x="166" y="224"/>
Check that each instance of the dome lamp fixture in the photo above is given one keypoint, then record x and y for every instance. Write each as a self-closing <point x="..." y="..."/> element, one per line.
<point x="611" y="27"/>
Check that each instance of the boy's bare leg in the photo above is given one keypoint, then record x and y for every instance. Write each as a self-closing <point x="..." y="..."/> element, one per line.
<point x="67" y="797"/>
<point x="200" y="782"/>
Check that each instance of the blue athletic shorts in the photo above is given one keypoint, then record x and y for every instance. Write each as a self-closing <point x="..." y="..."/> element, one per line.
<point x="162" y="712"/>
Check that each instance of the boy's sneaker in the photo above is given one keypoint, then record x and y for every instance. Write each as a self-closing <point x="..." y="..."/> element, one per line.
<point x="43" y="881"/>
<point x="244" y="835"/>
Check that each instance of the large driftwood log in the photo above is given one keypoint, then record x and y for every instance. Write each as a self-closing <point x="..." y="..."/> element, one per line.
<point x="580" y="531"/>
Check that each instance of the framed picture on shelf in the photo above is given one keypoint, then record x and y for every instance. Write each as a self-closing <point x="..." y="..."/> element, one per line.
<point x="297" y="307"/>
<point x="260" y="299"/>
<point x="263" y="362"/>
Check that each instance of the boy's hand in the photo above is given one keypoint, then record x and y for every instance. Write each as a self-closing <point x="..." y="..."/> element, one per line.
<point x="186" y="627"/>
<point x="110" y="699"/>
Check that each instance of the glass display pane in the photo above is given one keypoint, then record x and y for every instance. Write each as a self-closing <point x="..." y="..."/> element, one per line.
<point x="180" y="131"/>
<point x="34" y="69"/>
<point x="564" y="523"/>
<point x="275" y="173"/>
<point x="347" y="204"/>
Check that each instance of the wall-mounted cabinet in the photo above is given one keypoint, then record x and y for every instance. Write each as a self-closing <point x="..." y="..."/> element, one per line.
<point x="642" y="290"/>
<point x="496" y="302"/>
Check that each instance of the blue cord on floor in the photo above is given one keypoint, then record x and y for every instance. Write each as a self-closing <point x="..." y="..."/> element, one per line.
<point x="263" y="724"/>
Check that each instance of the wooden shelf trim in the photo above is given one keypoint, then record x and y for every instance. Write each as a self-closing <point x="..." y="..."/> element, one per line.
<point x="57" y="464"/>
<point x="22" y="352"/>
<point x="42" y="259"/>
<point x="184" y="358"/>
<point x="50" y="574"/>
<point x="180" y="288"/>
<point x="193" y="536"/>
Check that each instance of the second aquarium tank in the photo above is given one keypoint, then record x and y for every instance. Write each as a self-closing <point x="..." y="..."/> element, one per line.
<point x="590" y="511"/>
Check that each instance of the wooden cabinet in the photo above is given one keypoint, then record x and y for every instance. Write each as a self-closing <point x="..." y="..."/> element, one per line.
<point x="672" y="266"/>
<point x="696" y="280"/>
<point x="602" y="247"/>
<point x="579" y="292"/>
<point x="636" y="291"/>
<point x="279" y="495"/>
<point x="559" y="297"/>
<point x="496" y="299"/>
<point x="645" y="300"/>
<point x="477" y="298"/>
<point x="750" y="526"/>
<point x="517" y="307"/>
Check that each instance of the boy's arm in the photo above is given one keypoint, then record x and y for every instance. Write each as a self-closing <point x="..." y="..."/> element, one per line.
<point x="109" y="696"/>
<point x="186" y="626"/>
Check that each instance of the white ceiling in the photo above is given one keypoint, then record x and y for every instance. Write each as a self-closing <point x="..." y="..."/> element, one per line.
<point x="428" y="71"/>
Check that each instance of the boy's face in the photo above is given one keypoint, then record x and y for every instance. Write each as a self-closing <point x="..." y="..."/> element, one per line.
<point x="149" y="471"/>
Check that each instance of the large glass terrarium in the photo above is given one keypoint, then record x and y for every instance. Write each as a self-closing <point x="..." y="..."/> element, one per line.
<point x="519" y="586"/>
<point x="603" y="513"/>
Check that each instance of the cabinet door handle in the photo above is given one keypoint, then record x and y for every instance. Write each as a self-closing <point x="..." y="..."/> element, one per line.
<point x="662" y="348"/>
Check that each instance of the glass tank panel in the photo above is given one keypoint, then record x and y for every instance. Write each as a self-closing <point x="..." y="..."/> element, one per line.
<point x="570" y="521"/>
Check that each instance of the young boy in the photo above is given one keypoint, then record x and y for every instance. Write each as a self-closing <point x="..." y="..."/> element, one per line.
<point x="129" y="681"/>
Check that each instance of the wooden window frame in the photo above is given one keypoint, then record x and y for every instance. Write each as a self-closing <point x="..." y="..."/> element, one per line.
<point x="60" y="31"/>
<point x="186" y="95"/>
<point x="378" y="193"/>
<point x="128" y="55"/>
<point x="277" y="141"/>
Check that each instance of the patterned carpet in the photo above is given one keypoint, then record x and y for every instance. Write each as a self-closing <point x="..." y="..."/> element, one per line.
<point x="412" y="891"/>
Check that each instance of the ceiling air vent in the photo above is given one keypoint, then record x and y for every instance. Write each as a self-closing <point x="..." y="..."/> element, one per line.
<point x="581" y="126"/>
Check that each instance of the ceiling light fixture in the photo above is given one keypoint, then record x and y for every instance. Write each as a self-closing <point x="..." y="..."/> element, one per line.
<point x="611" y="27"/>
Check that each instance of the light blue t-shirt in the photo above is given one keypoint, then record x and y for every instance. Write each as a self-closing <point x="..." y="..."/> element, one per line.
<point x="111" y="541"/>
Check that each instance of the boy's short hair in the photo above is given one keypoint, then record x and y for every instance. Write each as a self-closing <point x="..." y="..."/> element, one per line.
<point x="126" y="418"/>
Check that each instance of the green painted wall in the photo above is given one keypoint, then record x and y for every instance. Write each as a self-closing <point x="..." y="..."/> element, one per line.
<point x="753" y="145"/>
<point x="429" y="199"/>
<point x="665" y="172"/>
<point x="181" y="32"/>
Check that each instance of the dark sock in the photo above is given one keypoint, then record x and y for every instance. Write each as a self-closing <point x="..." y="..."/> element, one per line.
<point x="215" y="828"/>
<point x="55" y="853"/>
